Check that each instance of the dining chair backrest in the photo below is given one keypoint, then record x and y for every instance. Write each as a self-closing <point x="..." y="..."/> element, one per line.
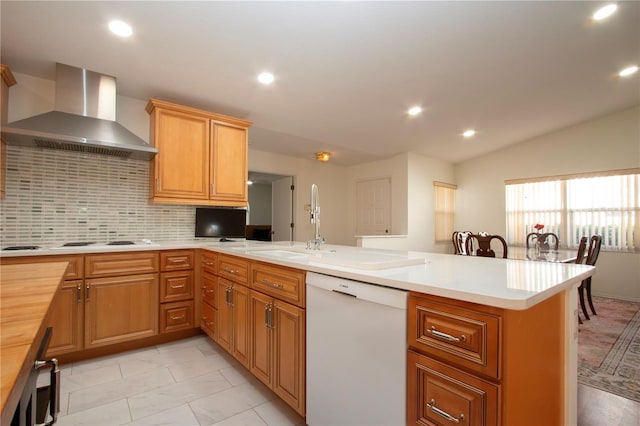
<point x="459" y="239"/>
<point x="484" y="245"/>
<point x="582" y="246"/>
<point x="594" y="250"/>
<point x="548" y="240"/>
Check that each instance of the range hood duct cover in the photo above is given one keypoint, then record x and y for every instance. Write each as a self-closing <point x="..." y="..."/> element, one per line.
<point x="83" y="119"/>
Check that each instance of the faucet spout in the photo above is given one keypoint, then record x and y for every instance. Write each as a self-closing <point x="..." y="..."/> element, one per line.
<point x="315" y="217"/>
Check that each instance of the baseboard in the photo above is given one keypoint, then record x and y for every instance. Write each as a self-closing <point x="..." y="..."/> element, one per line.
<point x="127" y="346"/>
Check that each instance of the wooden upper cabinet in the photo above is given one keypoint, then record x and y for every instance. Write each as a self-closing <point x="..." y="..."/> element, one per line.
<point x="7" y="81"/>
<point x="202" y="158"/>
<point x="181" y="167"/>
<point x="229" y="163"/>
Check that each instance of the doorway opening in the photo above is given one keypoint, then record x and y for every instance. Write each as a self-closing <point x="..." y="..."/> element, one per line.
<point x="270" y="210"/>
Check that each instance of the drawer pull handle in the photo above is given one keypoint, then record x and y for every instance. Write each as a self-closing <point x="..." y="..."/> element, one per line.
<point x="432" y="406"/>
<point x="208" y="263"/>
<point x="231" y="271"/>
<point x="181" y="317"/>
<point x="177" y="286"/>
<point x="178" y="260"/>
<point x="271" y="283"/>
<point x="446" y="336"/>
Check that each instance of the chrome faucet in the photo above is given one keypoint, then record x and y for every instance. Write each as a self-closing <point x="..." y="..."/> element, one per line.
<point x="315" y="218"/>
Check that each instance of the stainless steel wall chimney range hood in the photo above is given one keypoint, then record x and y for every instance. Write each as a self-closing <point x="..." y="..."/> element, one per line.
<point x="83" y="119"/>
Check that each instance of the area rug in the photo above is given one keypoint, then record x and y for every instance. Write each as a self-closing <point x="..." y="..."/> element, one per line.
<point x="609" y="348"/>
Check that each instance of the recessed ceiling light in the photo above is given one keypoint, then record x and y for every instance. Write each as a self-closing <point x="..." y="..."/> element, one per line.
<point x="249" y="182"/>
<point x="266" y="78"/>
<point x="120" y="28"/>
<point x="628" y="71"/>
<point x="605" y="12"/>
<point x="469" y="133"/>
<point x="414" y="110"/>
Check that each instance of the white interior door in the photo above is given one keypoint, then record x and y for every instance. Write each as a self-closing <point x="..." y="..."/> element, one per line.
<point x="282" y="205"/>
<point x="373" y="206"/>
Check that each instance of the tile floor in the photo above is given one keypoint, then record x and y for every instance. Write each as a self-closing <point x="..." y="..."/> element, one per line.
<point x="194" y="382"/>
<point x="188" y="382"/>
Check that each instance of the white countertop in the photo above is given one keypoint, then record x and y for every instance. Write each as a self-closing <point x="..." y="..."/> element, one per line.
<point x="503" y="283"/>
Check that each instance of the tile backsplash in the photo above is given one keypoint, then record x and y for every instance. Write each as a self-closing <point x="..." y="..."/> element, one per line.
<point x="57" y="196"/>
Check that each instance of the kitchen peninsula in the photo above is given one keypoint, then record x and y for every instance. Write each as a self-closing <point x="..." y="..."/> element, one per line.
<point x="25" y="300"/>
<point x="512" y="314"/>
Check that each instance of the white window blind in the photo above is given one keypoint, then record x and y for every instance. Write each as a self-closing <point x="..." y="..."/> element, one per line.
<point x="444" y="203"/>
<point x="576" y="206"/>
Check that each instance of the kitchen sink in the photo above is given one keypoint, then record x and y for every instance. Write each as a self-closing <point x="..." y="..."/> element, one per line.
<point x="357" y="259"/>
<point x="278" y="253"/>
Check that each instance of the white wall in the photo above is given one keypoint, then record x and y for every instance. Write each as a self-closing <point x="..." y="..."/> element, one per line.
<point x="330" y="178"/>
<point x="421" y="205"/>
<point x="606" y="143"/>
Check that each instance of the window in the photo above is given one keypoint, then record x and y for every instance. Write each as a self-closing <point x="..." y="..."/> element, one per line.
<point x="444" y="196"/>
<point x="607" y="204"/>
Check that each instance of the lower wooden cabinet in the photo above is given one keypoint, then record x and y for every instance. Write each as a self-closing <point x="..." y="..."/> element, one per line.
<point x="118" y="309"/>
<point x="67" y="319"/>
<point x="176" y="316"/>
<point x="209" y="321"/>
<point x="277" y="347"/>
<point x="442" y="395"/>
<point x="232" y="330"/>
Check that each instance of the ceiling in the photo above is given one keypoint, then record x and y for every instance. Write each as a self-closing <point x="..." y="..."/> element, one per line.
<point x="346" y="72"/>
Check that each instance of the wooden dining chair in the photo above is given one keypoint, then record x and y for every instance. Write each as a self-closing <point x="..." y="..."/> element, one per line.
<point x="582" y="246"/>
<point x="548" y="240"/>
<point x="459" y="239"/>
<point x="483" y="242"/>
<point x="585" y="286"/>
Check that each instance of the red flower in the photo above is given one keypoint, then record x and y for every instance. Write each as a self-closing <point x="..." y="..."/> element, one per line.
<point x="539" y="226"/>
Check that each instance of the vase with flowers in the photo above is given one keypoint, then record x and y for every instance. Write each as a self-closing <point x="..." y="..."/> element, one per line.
<point x="539" y="227"/>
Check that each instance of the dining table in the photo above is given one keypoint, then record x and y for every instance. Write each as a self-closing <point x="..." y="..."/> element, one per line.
<point x="559" y="255"/>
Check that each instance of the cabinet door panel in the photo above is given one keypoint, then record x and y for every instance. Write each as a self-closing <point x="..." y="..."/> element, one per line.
<point x="225" y="313"/>
<point x="67" y="319"/>
<point x="175" y="286"/>
<point x="208" y="289"/>
<point x="176" y="316"/>
<point x="209" y="321"/>
<point x="240" y="338"/>
<point x="260" y="359"/>
<point x="181" y="167"/>
<point x="119" y="309"/>
<point x="289" y="354"/>
<point x="229" y="163"/>
<point x="436" y="391"/>
<point x="177" y="260"/>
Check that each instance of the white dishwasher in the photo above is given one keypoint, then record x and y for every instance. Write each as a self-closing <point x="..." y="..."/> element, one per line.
<point x="356" y="353"/>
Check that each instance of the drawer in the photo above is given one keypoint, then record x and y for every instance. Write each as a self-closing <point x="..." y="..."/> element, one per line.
<point x="74" y="270"/>
<point x="208" y="262"/>
<point x="208" y="289"/>
<point x="114" y="264"/>
<point x="233" y="268"/>
<point x="176" y="316"/>
<point x="175" y="286"/>
<point x="280" y="282"/>
<point x="438" y="395"/>
<point x="208" y="323"/>
<point x="455" y="333"/>
<point x="176" y="260"/>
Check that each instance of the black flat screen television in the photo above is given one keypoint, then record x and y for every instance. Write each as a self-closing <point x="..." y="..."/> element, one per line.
<point x="221" y="223"/>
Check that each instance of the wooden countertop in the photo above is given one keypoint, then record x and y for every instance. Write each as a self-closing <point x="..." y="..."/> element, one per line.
<point x="26" y="293"/>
